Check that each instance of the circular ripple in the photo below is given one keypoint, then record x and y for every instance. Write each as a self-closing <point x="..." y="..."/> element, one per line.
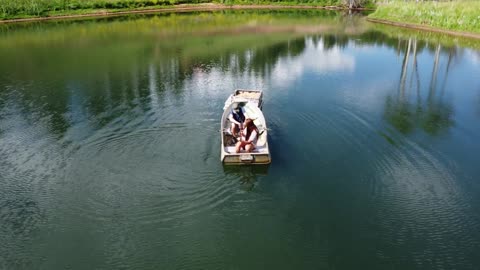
<point x="409" y="191"/>
<point x="150" y="175"/>
<point x="414" y="190"/>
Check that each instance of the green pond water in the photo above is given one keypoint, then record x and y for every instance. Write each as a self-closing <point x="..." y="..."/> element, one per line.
<point x="110" y="146"/>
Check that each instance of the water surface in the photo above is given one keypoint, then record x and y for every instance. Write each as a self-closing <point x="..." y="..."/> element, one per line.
<point x="109" y="144"/>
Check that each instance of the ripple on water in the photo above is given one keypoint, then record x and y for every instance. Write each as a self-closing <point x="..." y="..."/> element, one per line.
<point x="413" y="188"/>
<point x="416" y="195"/>
<point x="147" y="175"/>
<point x="30" y="160"/>
<point x="336" y="137"/>
<point x="422" y="192"/>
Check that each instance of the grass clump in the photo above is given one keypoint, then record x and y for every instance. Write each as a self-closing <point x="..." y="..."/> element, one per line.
<point x="455" y="15"/>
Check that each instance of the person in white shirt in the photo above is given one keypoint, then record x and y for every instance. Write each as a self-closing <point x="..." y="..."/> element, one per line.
<point x="249" y="136"/>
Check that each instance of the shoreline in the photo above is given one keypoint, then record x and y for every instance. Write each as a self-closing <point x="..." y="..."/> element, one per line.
<point x="425" y="28"/>
<point x="174" y="8"/>
<point x="218" y="7"/>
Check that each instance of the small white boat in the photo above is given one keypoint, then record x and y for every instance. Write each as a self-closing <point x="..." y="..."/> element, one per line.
<point x="252" y="103"/>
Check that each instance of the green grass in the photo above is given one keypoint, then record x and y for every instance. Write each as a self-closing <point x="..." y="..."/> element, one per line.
<point x="39" y="8"/>
<point x="11" y="9"/>
<point x="339" y="3"/>
<point x="446" y="41"/>
<point x="281" y="2"/>
<point x="455" y="15"/>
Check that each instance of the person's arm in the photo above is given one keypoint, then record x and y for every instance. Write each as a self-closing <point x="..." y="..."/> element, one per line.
<point x="230" y="117"/>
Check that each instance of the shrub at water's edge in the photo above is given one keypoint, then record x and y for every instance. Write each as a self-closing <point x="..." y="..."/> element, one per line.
<point x="455" y="15"/>
<point x="41" y="8"/>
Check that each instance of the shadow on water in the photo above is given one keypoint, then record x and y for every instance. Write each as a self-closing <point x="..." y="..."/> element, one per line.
<point x="248" y="174"/>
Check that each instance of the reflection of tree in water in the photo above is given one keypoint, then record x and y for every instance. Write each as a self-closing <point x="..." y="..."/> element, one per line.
<point x="264" y="59"/>
<point x="335" y="40"/>
<point x="400" y="115"/>
<point x="438" y="113"/>
<point x="399" y="112"/>
<point x="433" y="115"/>
<point x="109" y="88"/>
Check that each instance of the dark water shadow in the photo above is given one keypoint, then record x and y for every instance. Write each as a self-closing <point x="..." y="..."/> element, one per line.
<point x="248" y="175"/>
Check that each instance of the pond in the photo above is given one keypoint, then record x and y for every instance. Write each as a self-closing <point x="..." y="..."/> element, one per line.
<point x="110" y="146"/>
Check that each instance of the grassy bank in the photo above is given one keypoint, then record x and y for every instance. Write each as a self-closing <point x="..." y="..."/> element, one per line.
<point x="12" y="9"/>
<point x="336" y="3"/>
<point x="455" y="15"/>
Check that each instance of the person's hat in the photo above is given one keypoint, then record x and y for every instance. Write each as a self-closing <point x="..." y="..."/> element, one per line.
<point x="235" y="107"/>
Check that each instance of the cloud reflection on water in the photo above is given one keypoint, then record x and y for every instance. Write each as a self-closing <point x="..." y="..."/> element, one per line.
<point x="315" y="58"/>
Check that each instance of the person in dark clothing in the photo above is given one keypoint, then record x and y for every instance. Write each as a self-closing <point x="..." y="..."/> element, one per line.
<point x="236" y="117"/>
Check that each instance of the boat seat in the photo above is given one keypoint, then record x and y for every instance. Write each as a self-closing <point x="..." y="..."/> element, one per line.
<point x="259" y="149"/>
<point x="262" y="138"/>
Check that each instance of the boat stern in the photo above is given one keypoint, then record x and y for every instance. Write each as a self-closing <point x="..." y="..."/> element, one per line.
<point x="245" y="159"/>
